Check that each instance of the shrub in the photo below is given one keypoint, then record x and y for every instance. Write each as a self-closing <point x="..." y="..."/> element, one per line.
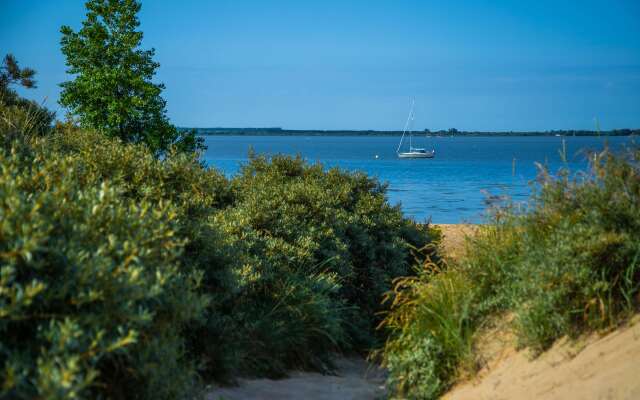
<point x="568" y="264"/>
<point x="578" y="266"/>
<point x="336" y="217"/>
<point x="92" y="299"/>
<point x="493" y="254"/>
<point x="22" y="116"/>
<point x="326" y="239"/>
<point x="271" y="271"/>
<point x="197" y="193"/>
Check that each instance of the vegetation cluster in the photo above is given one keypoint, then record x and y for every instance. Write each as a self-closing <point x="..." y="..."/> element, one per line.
<point x="16" y="112"/>
<point x="112" y="89"/>
<point x="566" y="264"/>
<point x="126" y="275"/>
<point x="130" y="270"/>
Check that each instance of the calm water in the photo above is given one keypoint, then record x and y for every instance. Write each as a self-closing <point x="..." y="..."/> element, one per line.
<point x="450" y="188"/>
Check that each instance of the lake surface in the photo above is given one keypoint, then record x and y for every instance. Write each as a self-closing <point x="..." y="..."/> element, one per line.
<point x="450" y="188"/>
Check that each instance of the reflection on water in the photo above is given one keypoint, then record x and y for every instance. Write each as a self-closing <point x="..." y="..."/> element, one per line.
<point x="467" y="174"/>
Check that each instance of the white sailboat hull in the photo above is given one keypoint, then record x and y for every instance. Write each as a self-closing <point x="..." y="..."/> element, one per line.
<point x="417" y="154"/>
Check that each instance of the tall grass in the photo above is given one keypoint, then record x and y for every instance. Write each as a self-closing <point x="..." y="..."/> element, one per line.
<point x="23" y="117"/>
<point x="430" y="330"/>
<point x="576" y="269"/>
<point x="565" y="265"/>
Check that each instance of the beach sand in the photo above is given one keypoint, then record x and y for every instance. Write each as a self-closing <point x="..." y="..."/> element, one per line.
<point x="355" y="379"/>
<point x="594" y="368"/>
<point x="454" y="236"/>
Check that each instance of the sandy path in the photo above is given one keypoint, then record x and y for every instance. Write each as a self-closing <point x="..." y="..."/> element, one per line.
<point x="355" y="379"/>
<point x="605" y="367"/>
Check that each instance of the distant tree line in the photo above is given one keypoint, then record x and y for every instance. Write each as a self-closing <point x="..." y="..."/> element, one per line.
<point x="442" y="132"/>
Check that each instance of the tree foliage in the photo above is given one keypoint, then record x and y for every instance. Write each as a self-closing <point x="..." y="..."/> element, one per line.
<point x="17" y="114"/>
<point x="11" y="73"/>
<point x="112" y="90"/>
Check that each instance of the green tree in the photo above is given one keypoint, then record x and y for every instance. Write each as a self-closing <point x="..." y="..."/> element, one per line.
<point x="112" y="90"/>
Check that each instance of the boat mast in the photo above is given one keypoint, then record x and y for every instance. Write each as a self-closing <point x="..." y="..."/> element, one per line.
<point x="406" y="125"/>
<point x="411" y="132"/>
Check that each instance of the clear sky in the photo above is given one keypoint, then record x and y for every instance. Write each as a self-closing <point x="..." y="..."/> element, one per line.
<point x="472" y="65"/>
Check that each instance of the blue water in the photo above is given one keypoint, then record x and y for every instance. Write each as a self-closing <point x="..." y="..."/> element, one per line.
<point x="451" y="188"/>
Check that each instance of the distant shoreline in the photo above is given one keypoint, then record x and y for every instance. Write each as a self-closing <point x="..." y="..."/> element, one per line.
<point x="440" y="133"/>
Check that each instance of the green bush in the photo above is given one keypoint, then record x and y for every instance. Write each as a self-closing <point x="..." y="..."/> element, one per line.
<point x="24" y="117"/>
<point x="330" y="241"/>
<point x="578" y="265"/>
<point x="570" y="263"/>
<point x="336" y="218"/>
<point x="271" y="271"/>
<point x="92" y="299"/>
<point x="493" y="253"/>
<point x="197" y="193"/>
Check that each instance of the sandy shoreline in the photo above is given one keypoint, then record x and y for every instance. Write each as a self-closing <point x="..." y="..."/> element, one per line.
<point x="453" y="239"/>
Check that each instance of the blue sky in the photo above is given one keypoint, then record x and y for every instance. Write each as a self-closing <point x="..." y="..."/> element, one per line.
<point x="472" y="65"/>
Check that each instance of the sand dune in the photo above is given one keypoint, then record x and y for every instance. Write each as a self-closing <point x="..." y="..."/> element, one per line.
<point x="606" y="367"/>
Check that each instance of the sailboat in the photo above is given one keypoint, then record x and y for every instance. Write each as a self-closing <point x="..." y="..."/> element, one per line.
<point x="414" y="152"/>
